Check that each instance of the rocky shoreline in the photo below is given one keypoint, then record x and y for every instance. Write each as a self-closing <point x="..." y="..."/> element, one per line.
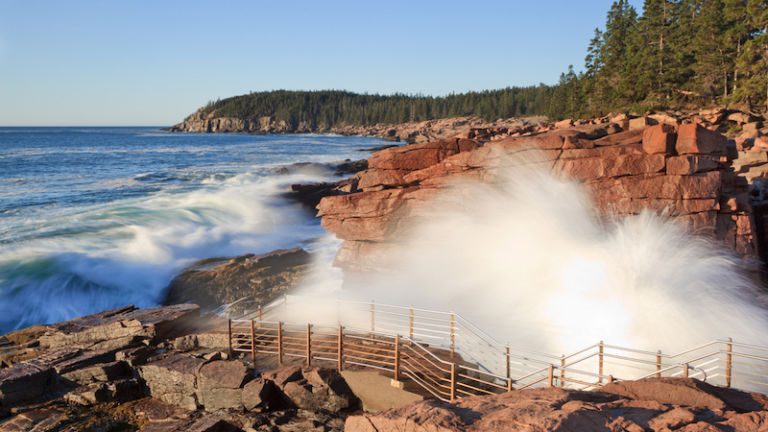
<point x="168" y="369"/>
<point x="409" y="132"/>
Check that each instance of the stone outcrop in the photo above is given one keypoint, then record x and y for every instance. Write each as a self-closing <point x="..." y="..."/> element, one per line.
<point x="646" y="405"/>
<point x="86" y="375"/>
<point x="252" y="279"/>
<point x="685" y="170"/>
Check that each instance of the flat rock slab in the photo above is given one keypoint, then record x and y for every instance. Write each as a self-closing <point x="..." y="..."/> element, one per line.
<point x="24" y="381"/>
<point x="121" y="324"/>
<point x="376" y="393"/>
<point x="38" y="420"/>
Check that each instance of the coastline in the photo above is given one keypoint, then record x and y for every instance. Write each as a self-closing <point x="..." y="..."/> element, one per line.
<point x="408" y="132"/>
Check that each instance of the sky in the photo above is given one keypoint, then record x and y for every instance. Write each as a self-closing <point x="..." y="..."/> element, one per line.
<point x="147" y="62"/>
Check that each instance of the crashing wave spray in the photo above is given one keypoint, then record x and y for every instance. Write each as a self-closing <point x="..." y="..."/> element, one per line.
<point x="126" y="252"/>
<point x="531" y="262"/>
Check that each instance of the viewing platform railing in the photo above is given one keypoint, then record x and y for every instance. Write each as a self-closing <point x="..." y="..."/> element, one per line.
<point x="450" y="357"/>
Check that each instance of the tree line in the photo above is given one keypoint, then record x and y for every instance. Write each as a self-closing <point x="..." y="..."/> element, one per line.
<point x="676" y="54"/>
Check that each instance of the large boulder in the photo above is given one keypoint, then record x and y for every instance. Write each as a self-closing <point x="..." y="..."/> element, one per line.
<point x="219" y="384"/>
<point x="659" y="139"/>
<point x="692" y="138"/>
<point x="173" y="379"/>
<point x="263" y="394"/>
<point x="311" y="388"/>
<point x="260" y="278"/>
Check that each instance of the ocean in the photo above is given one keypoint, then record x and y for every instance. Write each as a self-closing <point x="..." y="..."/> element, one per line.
<point x="97" y="218"/>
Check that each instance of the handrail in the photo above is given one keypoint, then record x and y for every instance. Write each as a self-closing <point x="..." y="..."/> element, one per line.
<point x="404" y="331"/>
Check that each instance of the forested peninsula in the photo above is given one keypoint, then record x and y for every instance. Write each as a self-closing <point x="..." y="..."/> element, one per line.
<point x="675" y="55"/>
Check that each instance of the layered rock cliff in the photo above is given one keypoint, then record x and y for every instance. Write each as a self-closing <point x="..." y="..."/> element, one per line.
<point x="629" y="164"/>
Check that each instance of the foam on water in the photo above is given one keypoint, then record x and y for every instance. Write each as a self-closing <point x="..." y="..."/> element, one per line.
<point x="127" y="252"/>
<point x="97" y="218"/>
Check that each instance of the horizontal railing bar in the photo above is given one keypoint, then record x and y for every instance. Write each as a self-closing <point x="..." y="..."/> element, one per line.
<point x="465" y="385"/>
<point x="370" y="360"/>
<point x="482" y="381"/>
<point x="435" y="394"/>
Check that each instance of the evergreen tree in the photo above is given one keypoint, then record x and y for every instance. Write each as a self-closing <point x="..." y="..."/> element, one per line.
<point x="652" y="44"/>
<point x="752" y="64"/>
<point x="714" y="55"/>
<point x="620" y="23"/>
<point x="593" y="85"/>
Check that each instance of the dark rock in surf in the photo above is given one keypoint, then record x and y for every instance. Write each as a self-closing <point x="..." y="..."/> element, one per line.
<point x="258" y="278"/>
<point x="310" y="194"/>
<point x="351" y="167"/>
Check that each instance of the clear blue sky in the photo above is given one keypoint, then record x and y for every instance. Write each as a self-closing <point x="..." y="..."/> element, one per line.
<point x="145" y="62"/>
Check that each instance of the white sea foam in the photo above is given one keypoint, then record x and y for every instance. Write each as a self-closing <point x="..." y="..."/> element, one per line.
<point x="126" y="252"/>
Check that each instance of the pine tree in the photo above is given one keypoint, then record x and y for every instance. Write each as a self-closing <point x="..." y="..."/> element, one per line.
<point x="616" y="55"/>
<point x="737" y="32"/>
<point x="714" y="55"/>
<point x="652" y="44"/>
<point x="592" y="81"/>
<point x="752" y="64"/>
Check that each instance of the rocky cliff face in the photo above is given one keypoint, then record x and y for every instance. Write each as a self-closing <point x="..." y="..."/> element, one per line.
<point x="629" y="164"/>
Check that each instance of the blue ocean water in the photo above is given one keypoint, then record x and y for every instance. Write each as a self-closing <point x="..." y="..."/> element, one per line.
<point x="95" y="218"/>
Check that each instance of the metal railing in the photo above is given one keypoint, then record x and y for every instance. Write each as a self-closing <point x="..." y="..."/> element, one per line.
<point x="450" y="357"/>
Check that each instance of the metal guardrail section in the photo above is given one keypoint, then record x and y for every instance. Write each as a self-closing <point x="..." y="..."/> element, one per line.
<point x="450" y="357"/>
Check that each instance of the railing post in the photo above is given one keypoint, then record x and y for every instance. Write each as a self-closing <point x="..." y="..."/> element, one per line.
<point x="280" y="343"/>
<point x="551" y="377"/>
<point x="728" y="362"/>
<point x="397" y="358"/>
<point x="229" y="331"/>
<point x="453" y="382"/>
<point x="600" y="362"/>
<point x="453" y="333"/>
<point x="509" y="372"/>
<point x="410" y="324"/>
<point x="562" y="370"/>
<point x="341" y="348"/>
<point x="509" y="384"/>
<point x="685" y="370"/>
<point x="259" y="316"/>
<point x="373" y="317"/>
<point x="253" y="344"/>
<point x="658" y="364"/>
<point x="309" y="344"/>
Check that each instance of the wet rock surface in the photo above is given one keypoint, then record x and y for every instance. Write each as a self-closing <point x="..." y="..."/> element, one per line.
<point x="646" y="405"/>
<point x="252" y="279"/>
